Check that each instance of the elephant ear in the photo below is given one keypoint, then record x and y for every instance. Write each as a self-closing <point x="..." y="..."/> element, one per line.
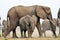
<point x="41" y="13"/>
<point x="34" y="19"/>
<point x="46" y="9"/>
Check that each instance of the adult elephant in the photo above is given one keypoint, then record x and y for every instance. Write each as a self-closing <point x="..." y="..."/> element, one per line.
<point x="58" y="17"/>
<point x="59" y="14"/>
<point x="15" y="13"/>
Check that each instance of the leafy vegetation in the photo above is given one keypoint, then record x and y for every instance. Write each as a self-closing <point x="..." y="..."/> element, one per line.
<point x="5" y="39"/>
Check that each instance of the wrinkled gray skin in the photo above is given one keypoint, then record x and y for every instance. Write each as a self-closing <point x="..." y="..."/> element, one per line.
<point x="58" y="25"/>
<point x="15" y="13"/>
<point x="58" y="17"/>
<point x="27" y="23"/>
<point x="46" y="25"/>
<point x="5" y="23"/>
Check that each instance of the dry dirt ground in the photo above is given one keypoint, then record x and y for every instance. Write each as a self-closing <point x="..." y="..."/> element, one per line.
<point x="35" y="36"/>
<point x="30" y="38"/>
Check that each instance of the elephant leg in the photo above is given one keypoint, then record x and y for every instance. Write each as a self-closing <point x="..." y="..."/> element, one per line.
<point x="44" y="34"/>
<point x="54" y="32"/>
<point x="24" y="33"/>
<point x="52" y="27"/>
<point x="29" y="33"/>
<point x="39" y="27"/>
<point x="59" y="30"/>
<point x="14" y="33"/>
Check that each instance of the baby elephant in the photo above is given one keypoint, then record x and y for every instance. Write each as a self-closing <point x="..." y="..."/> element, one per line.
<point x="46" y="26"/>
<point x="27" y="23"/>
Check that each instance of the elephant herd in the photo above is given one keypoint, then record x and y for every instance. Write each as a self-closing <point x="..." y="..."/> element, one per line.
<point x="27" y="18"/>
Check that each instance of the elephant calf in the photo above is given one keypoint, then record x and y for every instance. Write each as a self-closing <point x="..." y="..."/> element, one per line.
<point x="46" y="26"/>
<point x="27" y="23"/>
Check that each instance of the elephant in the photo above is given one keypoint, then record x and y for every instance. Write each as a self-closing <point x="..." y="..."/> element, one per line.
<point x="4" y="23"/>
<point x="58" y="17"/>
<point x="58" y="14"/>
<point x="46" y="25"/>
<point x="16" y="12"/>
<point x="58" y="25"/>
<point x="27" y="23"/>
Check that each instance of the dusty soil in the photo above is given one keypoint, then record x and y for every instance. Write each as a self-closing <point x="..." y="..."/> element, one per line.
<point x="30" y="38"/>
<point x="35" y="35"/>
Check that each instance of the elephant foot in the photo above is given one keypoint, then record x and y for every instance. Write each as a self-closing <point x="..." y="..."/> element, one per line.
<point x="14" y="37"/>
<point x="25" y="37"/>
<point x="21" y="37"/>
<point x="55" y="36"/>
<point x="40" y="36"/>
<point x="30" y="37"/>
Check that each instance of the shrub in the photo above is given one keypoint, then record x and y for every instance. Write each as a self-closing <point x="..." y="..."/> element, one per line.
<point x="5" y="39"/>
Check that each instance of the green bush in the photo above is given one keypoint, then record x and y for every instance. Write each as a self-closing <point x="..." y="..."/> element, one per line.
<point x="5" y="39"/>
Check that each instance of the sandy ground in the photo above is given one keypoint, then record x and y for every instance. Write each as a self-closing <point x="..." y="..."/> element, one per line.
<point x="35" y="35"/>
<point x="31" y="38"/>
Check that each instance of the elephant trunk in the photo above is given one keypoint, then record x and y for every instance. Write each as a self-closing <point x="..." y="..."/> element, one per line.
<point x="51" y="23"/>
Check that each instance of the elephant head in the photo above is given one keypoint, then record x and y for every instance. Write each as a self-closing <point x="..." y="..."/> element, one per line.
<point x="44" y="12"/>
<point x="6" y="26"/>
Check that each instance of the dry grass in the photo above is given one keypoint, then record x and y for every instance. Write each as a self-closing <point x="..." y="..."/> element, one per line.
<point x="30" y="38"/>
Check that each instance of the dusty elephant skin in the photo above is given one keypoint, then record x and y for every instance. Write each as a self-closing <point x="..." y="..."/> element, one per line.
<point x="59" y="14"/>
<point x="27" y="24"/>
<point x="58" y="18"/>
<point x="5" y="25"/>
<point x="46" y="25"/>
<point x="15" y="13"/>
